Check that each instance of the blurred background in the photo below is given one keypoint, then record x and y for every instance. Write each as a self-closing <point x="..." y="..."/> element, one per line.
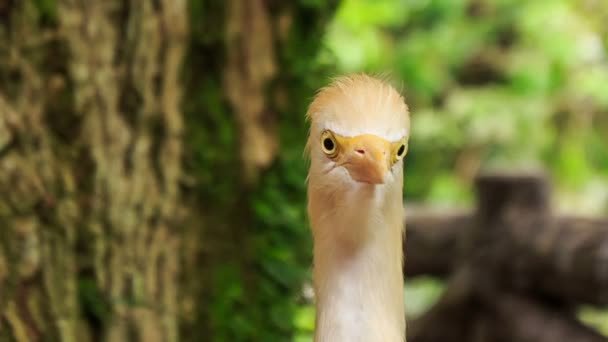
<point x="152" y="178"/>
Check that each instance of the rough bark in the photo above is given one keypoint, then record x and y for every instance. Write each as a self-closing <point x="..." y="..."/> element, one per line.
<point x="90" y="150"/>
<point x="90" y="160"/>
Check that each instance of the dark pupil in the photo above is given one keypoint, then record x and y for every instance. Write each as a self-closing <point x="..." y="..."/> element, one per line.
<point x="401" y="150"/>
<point x="328" y="144"/>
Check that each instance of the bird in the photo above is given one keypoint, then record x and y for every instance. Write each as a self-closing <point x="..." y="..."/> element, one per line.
<point x="358" y="138"/>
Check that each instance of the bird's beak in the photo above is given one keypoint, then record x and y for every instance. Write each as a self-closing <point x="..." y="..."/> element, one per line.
<point x="365" y="157"/>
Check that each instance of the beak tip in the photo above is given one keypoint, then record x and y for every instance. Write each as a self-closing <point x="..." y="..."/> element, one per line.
<point x="366" y="158"/>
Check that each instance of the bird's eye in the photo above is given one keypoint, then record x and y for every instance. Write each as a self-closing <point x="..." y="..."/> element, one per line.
<point x="328" y="144"/>
<point x="399" y="151"/>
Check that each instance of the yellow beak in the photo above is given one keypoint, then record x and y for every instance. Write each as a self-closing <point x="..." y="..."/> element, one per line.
<point x="365" y="157"/>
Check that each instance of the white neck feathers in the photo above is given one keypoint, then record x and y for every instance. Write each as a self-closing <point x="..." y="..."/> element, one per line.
<point x="358" y="263"/>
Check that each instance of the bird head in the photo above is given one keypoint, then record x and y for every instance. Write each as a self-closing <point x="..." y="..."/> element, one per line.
<point x="359" y="132"/>
<point x="359" y="129"/>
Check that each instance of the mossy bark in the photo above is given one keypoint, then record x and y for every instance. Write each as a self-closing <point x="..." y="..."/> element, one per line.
<point x="99" y="169"/>
<point x="90" y="160"/>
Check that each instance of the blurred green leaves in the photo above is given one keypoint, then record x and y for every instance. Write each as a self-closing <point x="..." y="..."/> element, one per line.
<point x="420" y="294"/>
<point x="491" y="84"/>
<point x="595" y="317"/>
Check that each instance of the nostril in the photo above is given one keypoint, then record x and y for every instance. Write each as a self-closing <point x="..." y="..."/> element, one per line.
<point x="360" y="151"/>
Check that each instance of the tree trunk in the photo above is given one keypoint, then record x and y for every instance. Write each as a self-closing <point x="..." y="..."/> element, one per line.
<point x="99" y="169"/>
<point x="90" y="159"/>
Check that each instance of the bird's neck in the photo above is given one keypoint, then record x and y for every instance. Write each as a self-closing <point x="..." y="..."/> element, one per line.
<point x="358" y="267"/>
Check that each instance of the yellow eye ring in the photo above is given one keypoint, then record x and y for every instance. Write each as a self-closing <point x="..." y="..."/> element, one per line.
<point x="329" y="144"/>
<point x="400" y="151"/>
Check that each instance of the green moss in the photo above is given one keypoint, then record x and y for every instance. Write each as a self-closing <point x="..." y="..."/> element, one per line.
<point x="47" y="12"/>
<point x="93" y="304"/>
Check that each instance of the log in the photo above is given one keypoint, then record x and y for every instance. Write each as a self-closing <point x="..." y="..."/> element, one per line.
<point x="522" y="246"/>
<point x="433" y="240"/>
<point x="515" y="239"/>
<point x="519" y="318"/>
<point x="514" y="270"/>
<point x="467" y="312"/>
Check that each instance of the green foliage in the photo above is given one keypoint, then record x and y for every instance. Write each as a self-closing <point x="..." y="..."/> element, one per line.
<point x="258" y="234"/>
<point x="491" y="84"/>
<point x="420" y="294"/>
<point x="281" y="237"/>
<point x="47" y="11"/>
<point x="595" y="317"/>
